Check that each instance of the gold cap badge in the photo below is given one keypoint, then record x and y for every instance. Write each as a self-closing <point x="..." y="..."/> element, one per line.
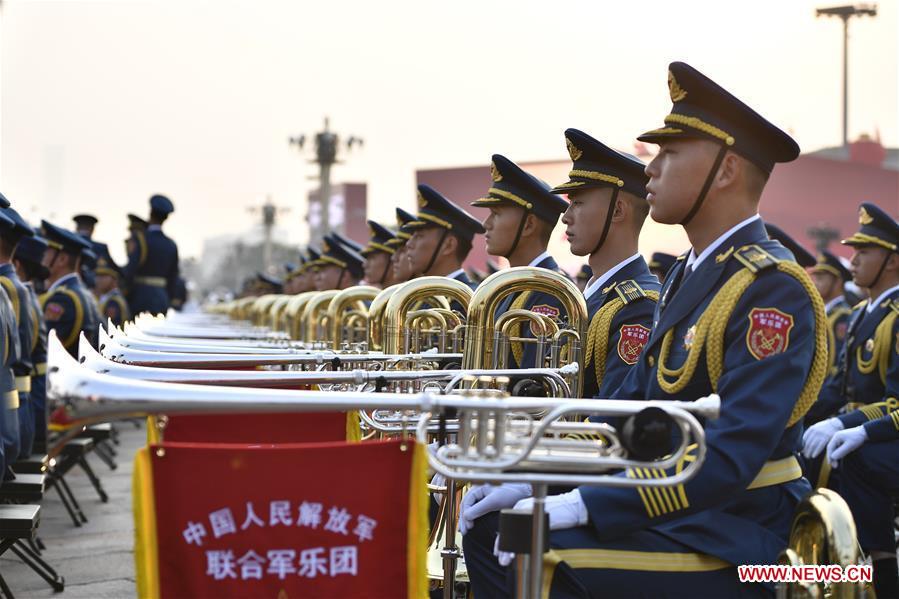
<point x="677" y="92"/>
<point x="421" y="201"/>
<point x="494" y="173"/>
<point x="863" y="217"/>
<point x="573" y="150"/>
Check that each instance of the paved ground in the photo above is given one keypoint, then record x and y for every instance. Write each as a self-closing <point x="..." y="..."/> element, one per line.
<point x="96" y="560"/>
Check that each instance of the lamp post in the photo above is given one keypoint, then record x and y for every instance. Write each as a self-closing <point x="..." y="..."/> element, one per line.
<point x="327" y="144"/>
<point x="845" y="13"/>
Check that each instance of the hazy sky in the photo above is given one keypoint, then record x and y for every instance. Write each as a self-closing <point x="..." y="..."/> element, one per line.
<point x="106" y="102"/>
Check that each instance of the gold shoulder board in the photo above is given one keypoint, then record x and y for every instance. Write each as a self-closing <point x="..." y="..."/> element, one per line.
<point x="629" y="291"/>
<point x="755" y="258"/>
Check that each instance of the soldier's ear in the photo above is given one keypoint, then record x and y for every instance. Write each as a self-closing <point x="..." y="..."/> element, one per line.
<point x="531" y="225"/>
<point x="893" y="262"/>
<point x="450" y="243"/>
<point x="730" y="171"/>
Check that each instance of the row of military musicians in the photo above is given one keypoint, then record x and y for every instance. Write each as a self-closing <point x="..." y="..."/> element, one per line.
<point x="809" y="383"/>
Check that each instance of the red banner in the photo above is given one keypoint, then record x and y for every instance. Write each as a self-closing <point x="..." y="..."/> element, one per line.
<point x="311" y="520"/>
<point x="293" y="427"/>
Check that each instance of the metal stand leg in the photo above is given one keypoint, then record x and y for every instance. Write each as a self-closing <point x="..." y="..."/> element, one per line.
<point x="4" y="588"/>
<point x="538" y="542"/>
<point x="104" y="452"/>
<point x="42" y="568"/>
<point x="68" y="499"/>
<point x="450" y="551"/>
<point x="93" y="478"/>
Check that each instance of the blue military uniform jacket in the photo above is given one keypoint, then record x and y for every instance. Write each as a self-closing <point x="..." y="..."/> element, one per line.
<point x="38" y="359"/>
<point x="839" y="313"/>
<point x="152" y="281"/>
<point x="9" y="353"/>
<point x="868" y="366"/>
<point x="70" y="309"/>
<point x="21" y="301"/>
<point x="629" y="331"/>
<point x="524" y="355"/>
<point x="766" y="354"/>
<point x="114" y="307"/>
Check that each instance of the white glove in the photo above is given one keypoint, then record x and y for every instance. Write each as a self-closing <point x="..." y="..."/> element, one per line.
<point x="816" y="437"/>
<point x="503" y="557"/>
<point x="565" y="511"/>
<point x="483" y="499"/>
<point x="845" y="442"/>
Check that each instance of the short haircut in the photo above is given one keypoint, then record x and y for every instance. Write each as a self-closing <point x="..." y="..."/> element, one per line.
<point x="463" y="247"/>
<point x="756" y="178"/>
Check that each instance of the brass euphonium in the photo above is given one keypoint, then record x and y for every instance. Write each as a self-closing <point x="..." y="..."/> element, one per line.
<point x="276" y="313"/>
<point x="346" y="306"/>
<point x="404" y="299"/>
<point x="480" y="341"/>
<point x="312" y="329"/>
<point x="293" y="314"/>
<point x="823" y="532"/>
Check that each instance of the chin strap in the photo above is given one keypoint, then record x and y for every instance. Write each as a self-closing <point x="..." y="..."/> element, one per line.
<point x="524" y="217"/>
<point x="436" y="251"/>
<point x="605" y="229"/>
<point x="880" y="270"/>
<point x="386" y="268"/>
<point x="706" y="186"/>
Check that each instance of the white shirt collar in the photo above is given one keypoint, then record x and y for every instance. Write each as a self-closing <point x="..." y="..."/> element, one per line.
<point x="62" y="280"/>
<point x="871" y="305"/>
<point x="539" y="259"/>
<point x="829" y="305"/>
<point x="694" y="261"/>
<point x="601" y="280"/>
<point x="456" y="273"/>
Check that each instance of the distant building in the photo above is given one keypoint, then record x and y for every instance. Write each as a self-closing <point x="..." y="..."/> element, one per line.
<point x="346" y="210"/>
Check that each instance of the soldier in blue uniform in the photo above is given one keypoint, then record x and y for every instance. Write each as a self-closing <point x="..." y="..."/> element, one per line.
<point x="152" y="271"/>
<point x="442" y="234"/>
<point x="26" y="324"/>
<point x="84" y="226"/>
<point x="737" y="316"/>
<point x="401" y="263"/>
<point x="339" y="265"/>
<point x="830" y="275"/>
<point x="866" y="387"/>
<point x="608" y="187"/>
<point x="523" y="214"/>
<point x="9" y="354"/>
<point x="68" y="306"/>
<point x="660" y="263"/>
<point x="28" y="260"/>
<point x="110" y="299"/>
<point x="302" y="279"/>
<point x="378" y="254"/>
<point x="604" y="187"/>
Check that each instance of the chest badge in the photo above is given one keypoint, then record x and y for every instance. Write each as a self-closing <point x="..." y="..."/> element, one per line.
<point x="689" y="337"/>
<point x="869" y="345"/>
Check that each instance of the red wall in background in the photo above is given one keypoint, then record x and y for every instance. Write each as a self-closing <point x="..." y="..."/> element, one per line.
<point x="463" y="186"/>
<point x="812" y="191"/>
